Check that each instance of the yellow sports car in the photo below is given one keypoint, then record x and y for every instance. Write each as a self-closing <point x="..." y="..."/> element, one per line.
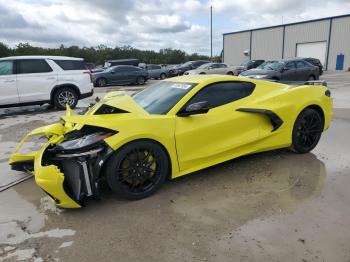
<point x="170" y="129"/>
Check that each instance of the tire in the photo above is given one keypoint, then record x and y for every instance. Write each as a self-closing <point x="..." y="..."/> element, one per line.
<point x="311" y="78"/>
<point x="140" y="80"/>
<point x="137" y="170"/>
<point x="230" y="73"/>
<point x="101" y="82"/>
<point x="64" y="96"/>
<point x="202" y="73"/>
<point x="162" y="76"/>
<point x="307" y="131"/>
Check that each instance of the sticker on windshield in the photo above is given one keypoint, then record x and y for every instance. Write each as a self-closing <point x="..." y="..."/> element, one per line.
<point x="181" y="86"/>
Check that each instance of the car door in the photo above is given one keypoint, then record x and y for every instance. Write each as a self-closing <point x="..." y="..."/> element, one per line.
<point x="206" y="138"/>
<point x="35" y="80"/>
<point x="289" y="72"/>
<point x="303" y="71"/>
<point x="8" y="88"/>
<point x="154" y="71"/>
<point x="116" y="75"/>
<point x="215" y="69"/>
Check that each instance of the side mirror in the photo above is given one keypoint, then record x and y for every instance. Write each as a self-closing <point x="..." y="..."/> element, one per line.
<point x="195" y="109"/>
<point x="210" y="67"/>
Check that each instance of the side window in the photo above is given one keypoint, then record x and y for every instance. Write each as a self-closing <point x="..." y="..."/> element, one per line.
<point x="223" y="66"/>
<point x="290" y="65"/>
<point x="223" y="93"/>
<point x="157" y="67"/>
<point x="71" y="64"/>
<point x="6" y="68"/>
<point x="300" y="64"/>
<point x="215" y="66"/>
<point x="33" y="66"/>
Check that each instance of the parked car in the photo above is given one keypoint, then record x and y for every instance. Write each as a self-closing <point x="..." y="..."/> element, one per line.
<point x="157" y="71"/>
<point x="37" y="80"/>
<point x="288" y="70"/>
<point x="120" y="75"/>
<point x="180" y="69"/>
<point x="315" y="62"/>
<point x="172" y="128"/>
<point x="214" y="68"/>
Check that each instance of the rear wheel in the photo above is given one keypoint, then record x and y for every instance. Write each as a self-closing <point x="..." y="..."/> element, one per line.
<point x="64" y="96"/>
<point x="137" y="170"/>
<point x="162" y="76"/>
<point x="311" y="78"/>
<point x="230" y="73"/>
<point x="307" y="131"/>
<point x="140" y="80"/>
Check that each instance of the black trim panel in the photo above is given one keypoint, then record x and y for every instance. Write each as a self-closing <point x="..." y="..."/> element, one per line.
<point x="276" y="121"/>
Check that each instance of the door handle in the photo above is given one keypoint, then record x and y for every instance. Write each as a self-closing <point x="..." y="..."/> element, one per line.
<point x="50" y="78"/>
<point x="9" y="81"/>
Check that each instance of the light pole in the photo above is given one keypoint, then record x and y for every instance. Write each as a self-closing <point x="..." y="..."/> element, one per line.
<point x="211" y="31"/>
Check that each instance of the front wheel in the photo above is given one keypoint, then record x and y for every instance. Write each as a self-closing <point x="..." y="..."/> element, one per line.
<point x="162" y="76"/>
<point x="64" y="96"/>
<point x="307" y="131"/>
<point x="137" y="170"/>
<point x="101" y="82"/>
<point x="230" y="73"/>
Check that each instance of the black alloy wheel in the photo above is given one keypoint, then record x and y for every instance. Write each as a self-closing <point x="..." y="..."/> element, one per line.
<point x="137" y="170"/>
<point x="307" y="131"/>
<point x="65" y="96"/>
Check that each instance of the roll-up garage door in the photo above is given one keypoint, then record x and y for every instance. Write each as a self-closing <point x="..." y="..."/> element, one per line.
<point x="314" y="50"/>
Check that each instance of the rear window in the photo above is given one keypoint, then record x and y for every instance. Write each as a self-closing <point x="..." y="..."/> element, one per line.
<point x="71" y="64"/>
<point x="32" y="66"/>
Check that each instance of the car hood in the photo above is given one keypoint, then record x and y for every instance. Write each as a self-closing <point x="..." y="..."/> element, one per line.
<point x="257" y="72"/>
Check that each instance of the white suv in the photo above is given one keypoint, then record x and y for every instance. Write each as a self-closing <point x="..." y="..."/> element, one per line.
<point x="36" y="80"/>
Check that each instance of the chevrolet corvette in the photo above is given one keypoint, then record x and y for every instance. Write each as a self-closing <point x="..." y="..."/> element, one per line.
<point x="170" y="129"/>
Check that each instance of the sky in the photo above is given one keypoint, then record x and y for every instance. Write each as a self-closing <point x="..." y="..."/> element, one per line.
<point x="149" y="24"/>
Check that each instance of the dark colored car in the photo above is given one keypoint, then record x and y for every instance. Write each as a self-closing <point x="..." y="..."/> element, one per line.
<point x="285" y="70"/>
<point x="315" y="62"/>
<point x="120" y="75"/>
<point x="181" y="69"/>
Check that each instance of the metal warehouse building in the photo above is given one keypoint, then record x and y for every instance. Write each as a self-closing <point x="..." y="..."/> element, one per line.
<point x="327" y="39"/>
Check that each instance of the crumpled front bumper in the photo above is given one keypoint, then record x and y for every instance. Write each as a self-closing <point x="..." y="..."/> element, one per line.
<point x="50" y="178"/>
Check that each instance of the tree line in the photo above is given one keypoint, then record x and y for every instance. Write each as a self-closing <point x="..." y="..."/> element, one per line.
<point x="101" y="53"/>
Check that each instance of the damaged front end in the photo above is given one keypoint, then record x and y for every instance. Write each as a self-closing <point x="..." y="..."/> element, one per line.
<point x="68" y="166"/>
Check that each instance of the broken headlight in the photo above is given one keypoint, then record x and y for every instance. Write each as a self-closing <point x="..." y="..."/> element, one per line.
<point x="86" y="141"/>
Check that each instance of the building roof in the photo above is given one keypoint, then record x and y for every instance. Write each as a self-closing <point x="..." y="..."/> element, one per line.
<point x="295" y="23"/>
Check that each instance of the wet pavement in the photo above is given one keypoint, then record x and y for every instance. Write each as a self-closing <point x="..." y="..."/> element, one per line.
<point x="274" y="206"/>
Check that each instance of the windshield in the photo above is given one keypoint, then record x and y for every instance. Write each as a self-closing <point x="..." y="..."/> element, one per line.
<point x="271" y="65"/>
<point x="204" y="66"/>
<point x="161" y="97"/>
<point x="109" y="69"/>
<point x="186" y="64"/>
<point x="245" y="63"/>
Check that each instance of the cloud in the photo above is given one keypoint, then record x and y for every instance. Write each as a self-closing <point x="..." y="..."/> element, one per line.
<point x="151" y="24"/>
